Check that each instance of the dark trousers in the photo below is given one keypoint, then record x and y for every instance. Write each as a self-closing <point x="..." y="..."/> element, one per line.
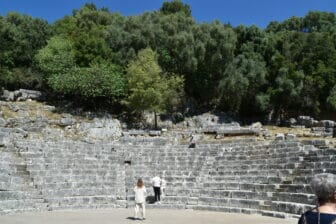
<point x="156" y="193"/>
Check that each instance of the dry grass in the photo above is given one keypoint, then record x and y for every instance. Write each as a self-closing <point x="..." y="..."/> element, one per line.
<point x="33" y="108"/>
<point x="7" y="113"/>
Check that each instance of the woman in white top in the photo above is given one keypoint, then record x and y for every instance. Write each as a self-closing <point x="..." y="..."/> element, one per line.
<point x="140" y="199"/>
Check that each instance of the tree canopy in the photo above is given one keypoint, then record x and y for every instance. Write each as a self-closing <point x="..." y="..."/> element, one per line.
<point x="158" y="60"/>
<point x="149" y="89"/>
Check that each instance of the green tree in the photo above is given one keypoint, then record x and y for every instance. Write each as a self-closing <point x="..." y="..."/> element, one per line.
<point x="57" y="61"/>
<point x="332" y="98"/>
<point x="58" y="57"/>
<point x="314" y="21"/>
<point x="99" y="80"/>
<point x="87" y="29"/>
<point x="149" y="90"/>
<point x="175" y="6"/>
<point x="21" y="36"/>
<point x="214" y="52"/>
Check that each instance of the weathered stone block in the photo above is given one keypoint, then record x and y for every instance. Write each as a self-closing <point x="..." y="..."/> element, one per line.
<point x="280" y="137"/>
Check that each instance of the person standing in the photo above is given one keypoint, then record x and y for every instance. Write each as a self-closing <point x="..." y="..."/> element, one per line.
<point x="140" y="199"/>
<point x="324" y="187"/>
<point x="156" y="182"/>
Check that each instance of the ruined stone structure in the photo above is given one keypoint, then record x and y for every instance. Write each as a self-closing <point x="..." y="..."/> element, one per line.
<point x="247" y="176"/>
<point x="51" y="161"/>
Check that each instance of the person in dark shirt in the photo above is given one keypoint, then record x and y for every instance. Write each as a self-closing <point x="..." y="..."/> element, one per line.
<point x="192" y="142"/>
<point x="324" y="187"/>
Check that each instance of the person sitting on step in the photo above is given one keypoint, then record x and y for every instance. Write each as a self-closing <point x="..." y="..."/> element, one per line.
<point x="192" y="142"/>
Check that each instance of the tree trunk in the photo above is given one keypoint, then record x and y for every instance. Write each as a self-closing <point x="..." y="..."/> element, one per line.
<point x="155" y="120"/>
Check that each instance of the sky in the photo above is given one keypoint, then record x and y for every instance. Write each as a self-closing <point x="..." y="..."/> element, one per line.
<point x="235" y="12"/>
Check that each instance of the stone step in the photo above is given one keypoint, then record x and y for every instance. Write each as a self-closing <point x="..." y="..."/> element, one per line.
<point x="304" y="198"/>
<point x="80" y="202"/>
<point x="19" y="195"/>
<point x="224" y="209"/>
<point x="67" y="192"/>
<point x="22" y="204"/>
<point x="245" y="179"/>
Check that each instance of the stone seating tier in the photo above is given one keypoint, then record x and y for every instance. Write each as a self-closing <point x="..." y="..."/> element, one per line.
<point x="247" y="176"/>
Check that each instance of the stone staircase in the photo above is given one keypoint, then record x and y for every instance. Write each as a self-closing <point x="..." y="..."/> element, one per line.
<point x="75" y="175"/>
<point x="17" y="192"/>
<point x="247" y="176"/>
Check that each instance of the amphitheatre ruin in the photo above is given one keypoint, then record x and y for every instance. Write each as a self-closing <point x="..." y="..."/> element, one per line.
<point x="52" y="161"/>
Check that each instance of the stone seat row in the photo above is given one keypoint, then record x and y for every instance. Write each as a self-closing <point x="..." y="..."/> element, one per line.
<point x="319" y="158"/>
<point x="294" y="175"/>
<point x="311" y="172"/>
<point x="228" y="179"/>
<point x="268" y="163"/>
<point x="89" y="148"/>
<point x="239" y="203"/>
<point x="49" y="173"/>
<point x="259" y="178"/>
<point x="271" y="170"/>
<point x="242" y="210"/>
<point x="256" y="204"/>
<point x="10" y="179"/>
<point x="77" y="165"/>
<point x="261" y="149"/>
<point x="72" y="158"/>
<point x="85" y="191"/>
<point x="225" y="209"/>
<point x="67" y="170"/>
<point x="74" y="179"/>
<point x="15" y="183"/>
<point x="172" y="167"/>
<point x="252" y="159"/>
<point x="260" y="165"/>
<point x="15" y="206"/>
<point x="231" y="182"/>
<point x="233" y="173"/>
<point x="180" y="160"/>
<point x="88" y="202"/>
<point x="248" y="194"/>
<point x="260" y="154"/>
<point x="169" y="179"/>
<point x="258" y="187"/>
<point x="9" y="167"/>
<point x="167" y="165"/>
<point x="18" y="195"/>
<point x="319" y="165"/>
<point x="254" y="187"/>
<point x="302" y="198"/>
<point x="31" y="155"/>
<point x="65" y="152"/>
<point x="173" y="154"/>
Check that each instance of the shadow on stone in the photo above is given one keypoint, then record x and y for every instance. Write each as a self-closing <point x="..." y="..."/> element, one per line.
<point x="150" y="199"/>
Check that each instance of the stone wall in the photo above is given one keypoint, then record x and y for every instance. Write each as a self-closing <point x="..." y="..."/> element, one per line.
<point x="247" y="176"/>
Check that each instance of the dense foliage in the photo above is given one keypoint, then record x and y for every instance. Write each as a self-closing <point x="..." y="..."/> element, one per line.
<point x="159" y="60"/>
